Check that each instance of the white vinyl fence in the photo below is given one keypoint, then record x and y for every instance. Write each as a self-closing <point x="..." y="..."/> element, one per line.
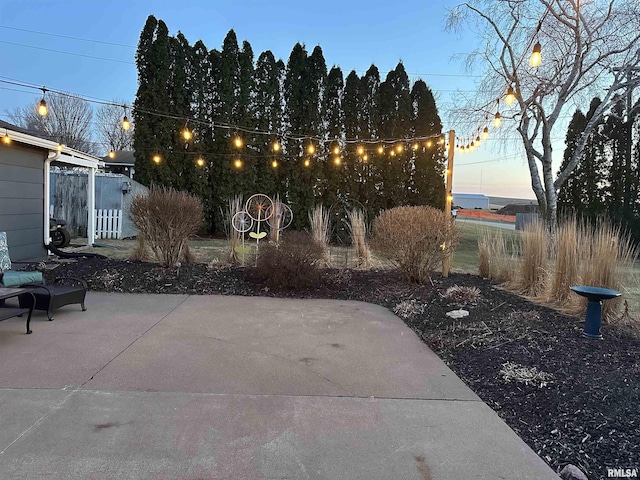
<point x="108" y="223"/>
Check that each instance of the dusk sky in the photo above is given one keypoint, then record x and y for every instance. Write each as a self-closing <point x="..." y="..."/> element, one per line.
<point x="87" y="48"/>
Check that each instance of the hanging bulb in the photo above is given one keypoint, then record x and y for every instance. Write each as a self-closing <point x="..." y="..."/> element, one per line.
<point x="157" y="159"/>
<point x="497" y="120"/>
<point x="276" y="146"/>
<point x="485" y="133"/>
<point x="365" y="158"/>
<point x="42" y="107"/>
<point x="111" y="154"/>
<point x="126" y="124"/>
<point x="311" y="149"/>
<point x="536" y="56"/>
<point x="6" y="139"/>
<point x="200" y="162"/>
<point x="415" y="147"/>
<point x="60" y="147"/>
<point x="380" y="149"/>
<point x="399" y="148"/>
<point x="360" y="150"/>
<point x="337" y="161"/>
<point x="511" y="97"/>
<point x="307" y="162"/>
<point x="238" y="143"/>
<point x="336" y="150"/>
<point x="237" y="163"/>
<point x="429" y="143"/>
<point x="478" y="140"/>
<point x="186" y="134"/>
<point x="392" y="153"/>
<point x="274" y="164"/>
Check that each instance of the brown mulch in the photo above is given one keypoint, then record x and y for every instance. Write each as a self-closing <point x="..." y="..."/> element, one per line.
<point x="585" y="411"/>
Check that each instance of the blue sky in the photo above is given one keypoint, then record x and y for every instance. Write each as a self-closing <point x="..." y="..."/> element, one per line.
<point x="352" y="34"/>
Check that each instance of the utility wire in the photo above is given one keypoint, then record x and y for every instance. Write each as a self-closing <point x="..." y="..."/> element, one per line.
<point x="67" y="36"/>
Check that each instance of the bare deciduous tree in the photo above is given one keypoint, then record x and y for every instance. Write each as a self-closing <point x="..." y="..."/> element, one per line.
<point x="68" y="121"/>
<point x="590" y="47"/>
<point x="109" y="131"/>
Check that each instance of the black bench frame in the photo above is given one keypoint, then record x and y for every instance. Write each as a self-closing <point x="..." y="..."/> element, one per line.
<point x="63" y="291"/>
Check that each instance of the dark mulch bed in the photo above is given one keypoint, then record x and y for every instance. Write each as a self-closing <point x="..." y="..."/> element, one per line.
<point x="588" y="413"/>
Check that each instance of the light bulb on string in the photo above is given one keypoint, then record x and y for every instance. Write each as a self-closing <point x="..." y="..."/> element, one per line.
<point x="365" y="158"/>
<point x="60" y="147"/>
<point x="360" y="150"/>
<point x="497" y="120"/>
<point x="237" y="163"/>
<point x="274" y="164"/>
<point x="336" y="150"/>
<point x="157" y="159"/>
<point x="392" y="153"/>
<point x="42" y="106"/>
<point x="126" y="124"/>
<point x="311" y="149"/>
<point x="380" y="149"/>
<point x="485" y="133"/>
<point x="478" y="140"/>
<point x="511" y="97"/>
<point x="276" y="147"/>
<point x="200" y="162"/>
<point x="238" y="143"/>
<point x="536" y="56"/>
<point x="186" y="133"/>
<point x="415" y="147"/>
<point x="399" y="148"/>
<point x="111" y="154"/>
<point x="337" y="161"/>
<point x="429" y="143"/>
<point x="6" y="139"/>
<point x="307" y="162"/>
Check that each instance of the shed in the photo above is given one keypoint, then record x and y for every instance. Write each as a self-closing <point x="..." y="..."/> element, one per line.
<point x="120" y="161"/>
<point x="470" y="201"/>
<point x="25" y="162"/>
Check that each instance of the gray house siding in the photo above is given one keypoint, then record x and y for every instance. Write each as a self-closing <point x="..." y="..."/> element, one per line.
<point x="22" y="200"/>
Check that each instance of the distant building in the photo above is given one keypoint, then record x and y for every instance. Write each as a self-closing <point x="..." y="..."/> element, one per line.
<point x="122" y="162"/>
<point x="470" y="201"/>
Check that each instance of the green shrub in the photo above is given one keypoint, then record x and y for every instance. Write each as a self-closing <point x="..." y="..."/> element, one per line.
<point x="414" y="239"/>
<point x="166" y="218"/>
<point x="290" y="265"/>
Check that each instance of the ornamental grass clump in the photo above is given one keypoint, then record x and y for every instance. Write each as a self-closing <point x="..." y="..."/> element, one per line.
<point x="166" y="218"/>
<point x="414" y="239"/>
<point x="358" y="233"/>
<point x="319" y="220"/>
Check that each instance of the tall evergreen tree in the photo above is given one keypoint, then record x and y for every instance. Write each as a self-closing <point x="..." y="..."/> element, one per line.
<point x="428" y="161"/>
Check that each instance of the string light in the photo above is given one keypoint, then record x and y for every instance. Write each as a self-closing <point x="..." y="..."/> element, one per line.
<point x="201" y="162"/>
<point x="429" y="143"/>
<point x="360" y="150"/>
<point x="337" y="161"/>
<point x="336" y="150"/>
<point x="276" y="147"/>
<point x="274" y="164"/>
<point x="237" y="163"/>
<point x="380" y="149"/>
<point x="536" y="56"/>
<point x="157" y="159"/>
<point x="111" y="154"/>
<point x="497" y="120"/>
<point x="307" y="162"/>
<point x="42" y="106"/>
<point x="392" y="153"/>
<point x="311" y="149"/>
<point x="238" y="143"/>
<point x="186" y="133"/>
<point x="365" y="158"/>
<point x="511" y="97"/>
<point x="415" y="147"/>
<point x="60" y="147"/>
<point x="485" y="133"/>
<point x="399" y="148"/>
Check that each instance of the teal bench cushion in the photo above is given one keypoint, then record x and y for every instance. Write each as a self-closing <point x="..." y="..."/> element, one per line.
<point x="12" y="278"/>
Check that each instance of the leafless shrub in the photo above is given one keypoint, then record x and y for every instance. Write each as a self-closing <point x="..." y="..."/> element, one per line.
<point x="408" y="308"/>
<point x="166" y="218"/>
<point x="462" y="295"/>
<point x="628" y="322"/>
<point x="513" y="372"/>
<point x="414" y="239"/>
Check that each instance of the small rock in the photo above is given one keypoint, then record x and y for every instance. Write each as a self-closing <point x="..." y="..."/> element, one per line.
<point x="571" y="472"/>
<point x="458" y="313"/>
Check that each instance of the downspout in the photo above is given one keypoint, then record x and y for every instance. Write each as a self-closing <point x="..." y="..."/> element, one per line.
<point x="53" y="156"/>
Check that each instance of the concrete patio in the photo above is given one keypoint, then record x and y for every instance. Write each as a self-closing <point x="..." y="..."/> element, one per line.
<point x="221" y="387"/>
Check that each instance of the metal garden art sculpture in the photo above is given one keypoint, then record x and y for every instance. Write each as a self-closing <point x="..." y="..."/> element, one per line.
<point x="260" y="208"/>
